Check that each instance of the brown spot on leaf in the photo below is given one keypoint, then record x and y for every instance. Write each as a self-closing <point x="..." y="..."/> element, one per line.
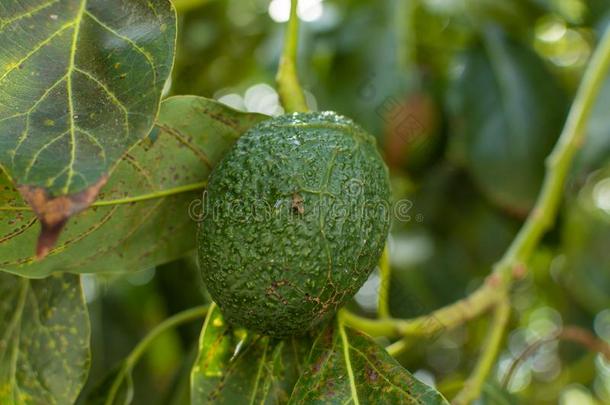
<point x="228" y="121"/>
<point x="297" y="204"/>
<point x="54" y="212"/>
<point x="371" y="375"/>
<point x="317" y="365"/>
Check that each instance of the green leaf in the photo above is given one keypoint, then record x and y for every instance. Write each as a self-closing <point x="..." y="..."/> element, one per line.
<point x="235" y="366"/>
<point x="44" y="340"/>
<point x="507" y="113"/>
<point x="144" y="216"/>
<point x="80" y="83"/>
<point x="345" y="366"/>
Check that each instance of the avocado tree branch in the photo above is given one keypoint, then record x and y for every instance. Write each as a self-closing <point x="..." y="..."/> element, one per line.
<point x="542" y="216"/>
<point x="289" y="88"/>
<point x="445" y="318"/>
<point x="540" y="220"/>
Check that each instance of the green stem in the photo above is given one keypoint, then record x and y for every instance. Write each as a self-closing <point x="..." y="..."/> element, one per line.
<point x="289" y="88"/>
<point x="538" y="222"/>
<point x="135" y="355"/>
<point x="559" y="162"/>
<point x="445" y="318"/>
<point x="128" y="200"/>
<point x="473" y="386"/>
<point x="383" y="304"/>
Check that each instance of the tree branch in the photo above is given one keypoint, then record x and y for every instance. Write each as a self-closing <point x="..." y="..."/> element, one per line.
<point x="540" y="220"/>
<point x="445" y="318"/>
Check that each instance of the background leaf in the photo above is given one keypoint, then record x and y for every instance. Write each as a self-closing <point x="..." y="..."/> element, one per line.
<point x="345" y="366"/>
<point x="235" y="366"/>
<point x="507" y="111"/>
<point x="44" y="340"/>
<point x="81" y="83"/>
<point x="191" y="136"/>
<point x="585" y="237"/>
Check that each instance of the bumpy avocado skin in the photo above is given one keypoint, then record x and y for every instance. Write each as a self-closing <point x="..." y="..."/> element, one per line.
<point x="297" y="215"/>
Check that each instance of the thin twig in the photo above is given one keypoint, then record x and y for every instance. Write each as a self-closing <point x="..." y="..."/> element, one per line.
<point x="568" y="333"/>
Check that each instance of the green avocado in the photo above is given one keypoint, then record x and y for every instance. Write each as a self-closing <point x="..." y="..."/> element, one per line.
<point x="296" y="217"/>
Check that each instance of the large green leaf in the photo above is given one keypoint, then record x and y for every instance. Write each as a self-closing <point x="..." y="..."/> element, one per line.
<point x="507" y="113"/>
<point x="165" y="173"/>
<point x="80" y="83"/>
<point x="345" y="366"/>
<point x="44" y="340"/>
<point x="237" y="367"/>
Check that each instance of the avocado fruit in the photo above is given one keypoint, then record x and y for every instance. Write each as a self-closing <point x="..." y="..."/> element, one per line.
<point x="296" y="217"/>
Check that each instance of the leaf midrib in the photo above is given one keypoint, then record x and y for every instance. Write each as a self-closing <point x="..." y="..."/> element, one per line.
<point x="70" y="71"/>
<point x="128" y="200"/>
<point x="348" y="363"/>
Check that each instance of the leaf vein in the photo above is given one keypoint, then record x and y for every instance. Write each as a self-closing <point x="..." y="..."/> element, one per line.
<point x="94" y="140"/>
<point x="180" y="138"/>
<point x="29" y="13"/>
<point x="348" y="363"/>
<point x="35" y="49"/>
<point x="19" y="231"/>
<point x="130" y="41"/>
<point x="42" y="149"/>
<point x="71" y="68"/>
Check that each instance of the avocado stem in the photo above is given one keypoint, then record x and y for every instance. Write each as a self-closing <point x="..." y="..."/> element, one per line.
<point x="289" y="88"/>
<point x="383" y="303"/>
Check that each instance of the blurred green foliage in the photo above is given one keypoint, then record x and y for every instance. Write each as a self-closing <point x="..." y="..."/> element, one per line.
<point x="466" y="98"/>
